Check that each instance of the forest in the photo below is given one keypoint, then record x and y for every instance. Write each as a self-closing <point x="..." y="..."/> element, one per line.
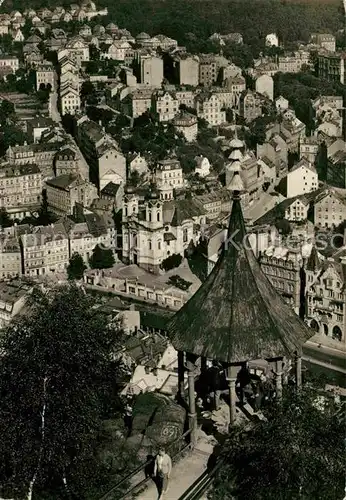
<point x="253" y="18"/>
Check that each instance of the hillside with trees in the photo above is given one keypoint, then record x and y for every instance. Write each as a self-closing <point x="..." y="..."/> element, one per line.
<point x="254" y="19"/>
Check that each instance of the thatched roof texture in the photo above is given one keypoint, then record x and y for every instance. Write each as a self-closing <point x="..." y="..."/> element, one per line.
<point x="237" y="315"/>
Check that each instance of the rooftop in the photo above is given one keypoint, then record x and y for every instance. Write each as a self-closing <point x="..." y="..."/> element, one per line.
<point x="236" y="315"/>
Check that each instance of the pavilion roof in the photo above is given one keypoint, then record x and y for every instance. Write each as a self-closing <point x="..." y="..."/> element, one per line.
<point x="237" y="315"/>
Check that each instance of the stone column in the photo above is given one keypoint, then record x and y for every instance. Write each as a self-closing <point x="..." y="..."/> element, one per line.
<point x="232" y="378"/>
<point x="298" y="369"/>
<point x="181" y="373"/>
<point x="192" y="401"/>
<point x="278" y="379"/>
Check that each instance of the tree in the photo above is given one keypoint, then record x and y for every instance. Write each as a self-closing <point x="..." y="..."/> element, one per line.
<point x="297" y="453"/>
<point x="76" y="267"/>
<point x="7" y="109"/>
<point x="88" y="93"/>
<point x="55" y="379"/>
<point x="45" y="217"/>
<point x="172" y="261"/>
<point x="5" y="220"/>
<point x="321" y="162"/>
<point x="102" y="258"/>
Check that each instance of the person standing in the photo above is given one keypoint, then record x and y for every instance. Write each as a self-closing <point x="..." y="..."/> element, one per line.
<point x="162" y="470"/>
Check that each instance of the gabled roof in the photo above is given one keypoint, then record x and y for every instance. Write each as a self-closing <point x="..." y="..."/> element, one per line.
<point x="237" y="315"/>
<point x="303" y="163"/>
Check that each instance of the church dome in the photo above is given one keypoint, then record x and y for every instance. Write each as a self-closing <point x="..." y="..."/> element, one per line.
<point x="129" y="189"/>
<point x="236" y="155"/>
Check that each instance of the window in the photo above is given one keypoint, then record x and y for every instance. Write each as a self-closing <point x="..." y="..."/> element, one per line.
<point x="149" y="245"/>
<point x="149" y="216"/>
<point x="185" y="235"/>
<point x="158" y="216"/>
<point x="159" y="245"/>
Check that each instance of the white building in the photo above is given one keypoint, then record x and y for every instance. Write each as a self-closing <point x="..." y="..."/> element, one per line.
<point x="169" y="173"/>
<point x="20" y="189"/>
<point x="158" y="229"/>
<point x="45" y="250"/>
<point x="297" y="210"/>
<point x="65" y="191"/>
<point x="210" y="108"/>
<point x="202" y="166"/>
<point x="265" y="86"/>
<point x="301" y="179"/>
<point x="69" y="101"/>
<point x="13" y="297"/>
<point x="138" y="163"/>
<point x="9" y="62"/>
<point x="272" y="40"/>
<point x="46" y="75"/>
<point x="151" y="70"/>
<point x="165" y="105"/>
<point x="187" y="124"/>
<point x="330" y="208"/>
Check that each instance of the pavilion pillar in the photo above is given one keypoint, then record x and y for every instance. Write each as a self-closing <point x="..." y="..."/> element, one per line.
<point x="181" y="375"/>
<point x="278" y="379"/>
<point x="191" y="367"/>
<point x="298" y="369"/>
<point x="232" y="378"/>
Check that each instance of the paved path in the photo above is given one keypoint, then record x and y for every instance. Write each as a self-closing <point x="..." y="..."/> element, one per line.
<point x="184" y="474"/>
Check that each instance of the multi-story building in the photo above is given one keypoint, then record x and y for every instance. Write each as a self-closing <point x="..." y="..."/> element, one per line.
<point x="9" y="62"/>
<point x="297" y="209"/>
<point x="106" y="161"/>
<point x="283" y="269"/>
<point x="186" y="97"/>
<point x="186" y="68"/>
<point x="275" y="150"/>
<point x="330" y="208"/>
<point x="308" y="148"/>
<point x="165" y="105"/>
<point x="325" y="40"/>
<point x="114" y="194"/>
<point x="46" y="75"/>
<point x="331" y="66"/>
<point x="292" y="130"/>
<point x="292" y="64"/>
<point x="70" y="102"/>
<point x="326" y="297"/>
<point x="208" y="69"/>
<point x="187" y="124"/>
<point x="78" y="50"/>
<point x="20" y="189"/>
<point x="151" y="70"/>
<point x="65" y="191"/>
<point x="140" y="102"/>
<point x="85" y="236"/>
<point x="13" y="297"/>
<point x="10" y="257"/>
<point x="214" y="203"/>
<point x="42" y="154"/>
<point x="156" y="229"/>
<point x="302" y="179"/>
<point x="210" y="108"/>
<point x="67" y="161"/>
<point x="45" y="250"/>
<point x="137" y="163"/>
<point x="250" y="106"/>
<point x="118" y="50"/>
<point x="168" y="176"/>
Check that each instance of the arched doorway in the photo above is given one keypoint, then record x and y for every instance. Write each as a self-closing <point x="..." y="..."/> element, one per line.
<point x="337" y="333"/>
<point x="314" y="325"/>
<point x="325" y="329"/>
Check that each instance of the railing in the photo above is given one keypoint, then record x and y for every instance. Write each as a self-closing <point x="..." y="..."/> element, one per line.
<point x="144" y="467"/>
<point x="202" y="484"/>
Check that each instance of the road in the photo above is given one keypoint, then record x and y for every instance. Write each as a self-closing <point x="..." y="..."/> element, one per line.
<point x="54" y="112"/>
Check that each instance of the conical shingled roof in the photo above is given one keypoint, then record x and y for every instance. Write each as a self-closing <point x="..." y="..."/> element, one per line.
<point x="237" y="315"/>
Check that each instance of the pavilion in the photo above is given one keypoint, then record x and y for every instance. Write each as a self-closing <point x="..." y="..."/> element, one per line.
<point x="235" y="316"/>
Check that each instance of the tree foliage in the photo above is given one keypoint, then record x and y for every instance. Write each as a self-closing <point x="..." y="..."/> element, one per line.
<point x="298" y="453"/>
<point x="102" y="258"/>
<point x="172" y="261"/>
<point x="76" y="267"/>
<point x="55" y="380"/>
